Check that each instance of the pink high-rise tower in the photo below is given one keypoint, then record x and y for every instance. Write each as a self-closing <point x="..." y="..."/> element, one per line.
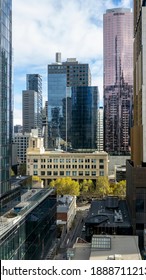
<point x="118" y="79"/>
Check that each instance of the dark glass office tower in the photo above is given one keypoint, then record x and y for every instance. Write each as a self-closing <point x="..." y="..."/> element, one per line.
<point x="61" y="77"/>
<point x="5" y="93"/>
<point x="84" y="117"/>
<point x="34" y="82"/>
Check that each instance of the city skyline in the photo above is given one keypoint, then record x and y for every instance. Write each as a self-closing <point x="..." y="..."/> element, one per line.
<point x="55" y="29"/>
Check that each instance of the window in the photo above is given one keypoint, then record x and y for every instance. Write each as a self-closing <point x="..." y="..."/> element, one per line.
<point x="35" y="160"/>
<point x="87" y="173"/>
<point x="42" y="173"/>
<point x="87" y="160"/>
<point x="55" y="173"/>
<point x="74" y="160"/>
<point x="93" y="173"/>
<point x="101" y="243"/>
<point x="74" y="173"/>
<point x="42" y="166"/>
<point x="80" y="173"/>
<point x="35" y="172"/>
<point x="140" y="205"/>
<point x="61" y="173"/>
<point x="101" y="173"/>
<point x="67" y="173"/>
<point x="49" y="173"/>
<point x="35" y="166"/>
<point x="49" y="166"/>
<point x="140" y="226"/>
<point x="101" y="161"/>
<point x="101" y="166"/>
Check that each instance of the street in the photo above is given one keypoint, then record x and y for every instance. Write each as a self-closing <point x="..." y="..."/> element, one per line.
<point x="75" y="231"/>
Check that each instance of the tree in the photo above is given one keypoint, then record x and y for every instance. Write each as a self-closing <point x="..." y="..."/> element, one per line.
<point x="86" y="187"/>
<point x="66" y="186"/>
<point x="12" y="172"/>
<point x="120" y="189"/>
<point x="102" y="186"/>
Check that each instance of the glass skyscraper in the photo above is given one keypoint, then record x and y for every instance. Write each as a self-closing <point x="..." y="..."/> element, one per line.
<point x="118" y="79"/>
<point x="84" y="117"/>
<point x="5" y="94"/>
<point x="61" y="77"/>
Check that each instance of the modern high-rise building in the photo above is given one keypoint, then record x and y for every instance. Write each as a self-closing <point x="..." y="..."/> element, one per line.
<point x="5" y="94"/>
<point x="21" y="140"/>
<point x="61" y="77"/>
<point x="32" y="103"/>
<point x="29" y="110"/>
<point x="100" y="129"/>
<point x="45" y="124"/>
<point x="136" y="167"/>
<point x="34" y="82"/>
<point x="84" y="117"/>
<point x="118" y="79"/>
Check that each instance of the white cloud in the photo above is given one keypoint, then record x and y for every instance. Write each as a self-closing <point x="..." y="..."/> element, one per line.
<point x="72" y="27"/>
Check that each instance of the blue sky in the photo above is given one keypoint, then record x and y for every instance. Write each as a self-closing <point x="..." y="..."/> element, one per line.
<point x="42" y="28"/>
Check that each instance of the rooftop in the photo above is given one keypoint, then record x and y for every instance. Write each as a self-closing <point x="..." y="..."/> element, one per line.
<point x="109" y="212"/>
<point x="119" y="248"/>
<point x="29" y="200"/>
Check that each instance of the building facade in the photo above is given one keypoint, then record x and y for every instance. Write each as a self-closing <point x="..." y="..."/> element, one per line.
<point x="18" y="128"/>
<point x="29" y="110"/>
<point x="136" y="167"/>
<point x="34" y="82"/>
<point x="61" y="77"/>
<point x="22" y="141"/>
<point x="5" y="94"/>
<point x="45" y="124"/>
<point x="100" y="129"/>
<point x="84" y="117"/>
<point x="50" y="165"/>
<point x="118" y="79"/>
<point x="66" y="210"/>
<point x="26" y="229"/>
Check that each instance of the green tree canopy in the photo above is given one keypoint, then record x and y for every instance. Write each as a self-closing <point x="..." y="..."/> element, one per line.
<point x="102" y="186"/>
<point x="86" y="187"/>
<point x="66" y="186"/>
<point x="120" y="189"/>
